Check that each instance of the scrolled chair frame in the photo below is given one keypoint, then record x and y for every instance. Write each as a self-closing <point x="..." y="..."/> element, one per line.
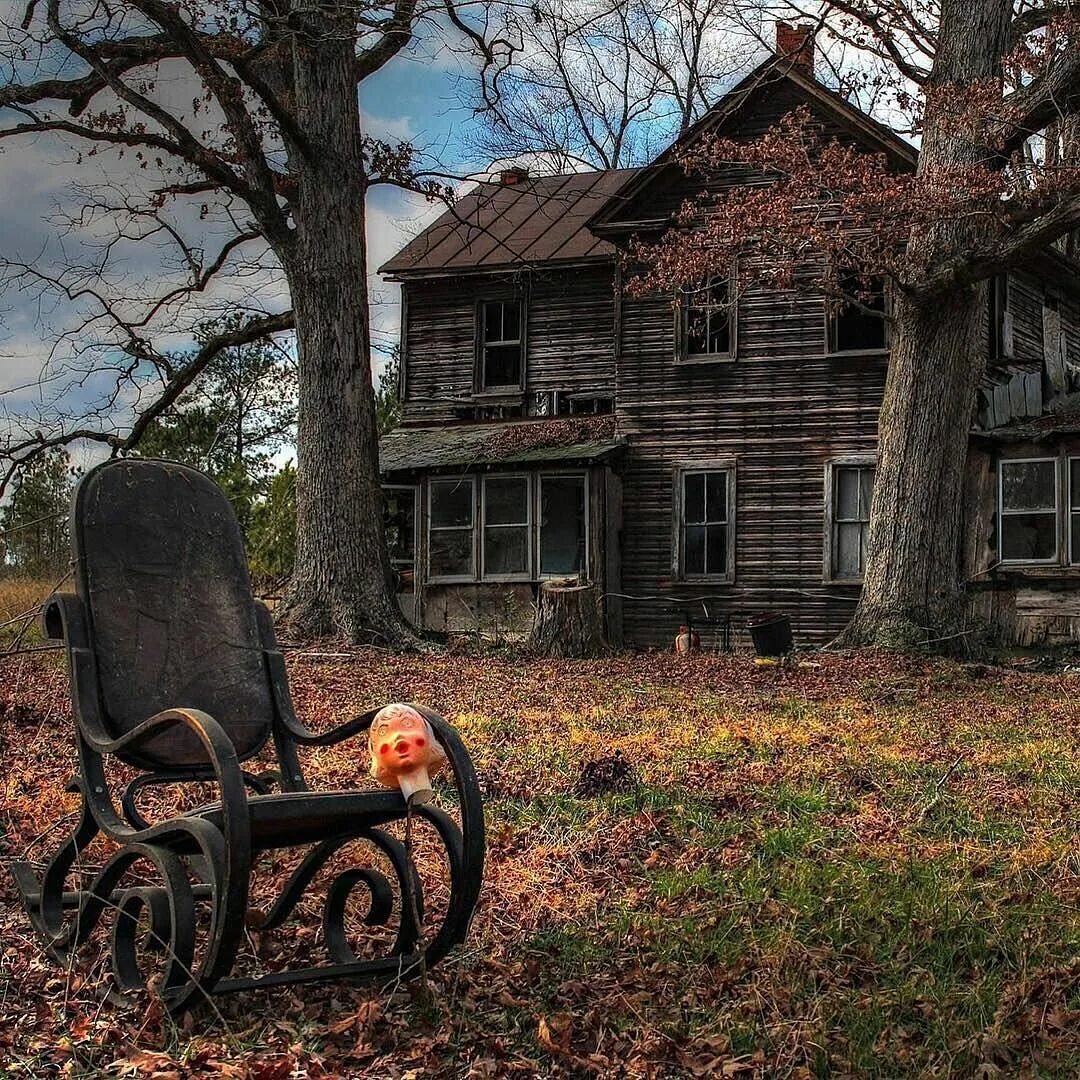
<point x="205" y="856"/>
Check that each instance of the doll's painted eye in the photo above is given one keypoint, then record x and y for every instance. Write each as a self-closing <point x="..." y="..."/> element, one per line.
<point x="385" y="748"/>
<point x="421" y="742"/>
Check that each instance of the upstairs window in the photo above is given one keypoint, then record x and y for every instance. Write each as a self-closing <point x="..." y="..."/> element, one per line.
<point x="451" y="549"/>
<point x="705" y="540"/>
<point x="1001" y="336"/>
<point x="501" y="355"/>
<point x="850" y="492"/>
<point x="506" y="527"/>
<point x="1028" y="511"/>
<point x="856" y="320"/>
<point x="706" y="323"/>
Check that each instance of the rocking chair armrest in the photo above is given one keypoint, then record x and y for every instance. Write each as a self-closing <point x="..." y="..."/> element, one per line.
<point x="217" y="744"/>
<point x="62" y="618"/>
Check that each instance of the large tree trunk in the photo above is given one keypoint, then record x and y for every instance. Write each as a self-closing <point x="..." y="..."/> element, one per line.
<point x="912" y="591"/>
<point x="341" y="584"/>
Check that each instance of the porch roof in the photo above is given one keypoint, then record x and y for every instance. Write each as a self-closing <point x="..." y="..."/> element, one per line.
<point x="573" y="439"/>
<point x="1037" y="429"/>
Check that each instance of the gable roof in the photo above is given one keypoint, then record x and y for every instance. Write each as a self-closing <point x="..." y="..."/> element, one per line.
<point x="543" y="219"/>
<point x="737" y="103"/>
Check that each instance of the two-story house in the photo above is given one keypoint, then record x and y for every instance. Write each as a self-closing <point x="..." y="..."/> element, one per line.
<point x="712" y="457"/>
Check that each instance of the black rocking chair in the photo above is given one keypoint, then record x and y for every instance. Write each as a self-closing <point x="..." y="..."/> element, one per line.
<point x="175" y="671"/>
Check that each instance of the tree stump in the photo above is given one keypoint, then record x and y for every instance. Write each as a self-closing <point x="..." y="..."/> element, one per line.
<point x="568" y="622"/>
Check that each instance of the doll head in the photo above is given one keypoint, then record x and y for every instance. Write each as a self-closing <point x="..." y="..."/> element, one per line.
<point x="404" y="752"/>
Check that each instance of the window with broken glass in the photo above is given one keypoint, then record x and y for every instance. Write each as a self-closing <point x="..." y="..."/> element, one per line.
<point x="451" y="521"/>
<point x="851" y="492"/>
<point x="1028" y="510"/>
<point x="507" y="531"/>
<point x="400" y="523"/>
<point x="707" y="324"/>
<point x="501" y="360"/>
<point x="856" y="320"/>
<point x="705" y="533"/>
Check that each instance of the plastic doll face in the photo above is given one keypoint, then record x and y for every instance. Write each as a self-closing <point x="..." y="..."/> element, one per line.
<point x="400" y="740"/>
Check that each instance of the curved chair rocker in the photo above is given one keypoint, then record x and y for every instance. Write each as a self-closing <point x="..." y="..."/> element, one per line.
<point x="175" y="671"/>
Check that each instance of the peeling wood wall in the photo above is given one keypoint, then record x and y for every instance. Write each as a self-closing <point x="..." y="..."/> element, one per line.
<point x="570" y="334"/>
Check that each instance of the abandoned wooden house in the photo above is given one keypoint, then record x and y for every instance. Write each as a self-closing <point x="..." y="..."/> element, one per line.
<point x="712" y="466"/>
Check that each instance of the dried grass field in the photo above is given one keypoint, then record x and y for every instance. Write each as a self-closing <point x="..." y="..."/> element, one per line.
<point x="860" y="867"/>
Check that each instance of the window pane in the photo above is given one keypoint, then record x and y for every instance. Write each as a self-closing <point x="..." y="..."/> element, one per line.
<point x="562" y="524"/>
<point x="451" y="504"/>
<point x="694" y="551"/>
<point x="502" y="365"/>
<point x="866" y="492"/>
<point x="856" y="327"/>
<point x="451" y="552"/>
<point x="694" y="497"/>
<point x="708" y="319"/>
<point x="511" y="322"/>
<point x="1027" y="485"/>
<point x="401" y="526"/>
<point x="506" y="500"/>
<point x="1074" y="483"/>
<point x="493" y="321"/>
<point x="1028" y="536"/>
<point x="1074" y="556"/>
<point x="848" y="556"/>
<point x="847" y="494"/>
<point x="716" y="496"/>
<point x="716" y="550"/>
<point x="506" y="551"/>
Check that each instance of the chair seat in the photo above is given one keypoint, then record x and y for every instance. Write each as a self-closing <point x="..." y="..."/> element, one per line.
<point x="305" y="817"/>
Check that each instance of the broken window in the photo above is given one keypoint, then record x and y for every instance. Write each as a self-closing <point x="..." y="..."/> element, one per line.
<point x="1028" y="510"/>
<point x="506" y="526"/>
<point x="856" y="320"/>
<point x="1074" y="510"/>
<point x="400" y="523"/>
<point x="563" y="529"/>
<point x="1000" y="318"/>
<point x="705" y="526"/>
<point x="707" y="326"/>
<point x="451" y="518"/>
<point x="501" y="354"/>
<point x="848" y="520"/>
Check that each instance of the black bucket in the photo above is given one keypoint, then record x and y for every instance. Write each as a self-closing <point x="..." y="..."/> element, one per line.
<point x="771" y="634"/>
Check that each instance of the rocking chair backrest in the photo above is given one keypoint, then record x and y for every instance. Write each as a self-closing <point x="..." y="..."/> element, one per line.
<point x="161" y="571"/>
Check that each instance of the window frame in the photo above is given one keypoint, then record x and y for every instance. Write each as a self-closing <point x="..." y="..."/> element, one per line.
<point x="682" y="321"/>
<point x="574" y="474"/>
<point x="503" y="389"/>
<point x="848" y="461"/>
<point x="521" y="575"/>
<point x="1069" y="511"/>
<point x="415" y="489"/>
<point x="831" y="317"/>
<point x="451" y="579"/>
<point x="678" y="545"/>
<point x="1002" y="513"/>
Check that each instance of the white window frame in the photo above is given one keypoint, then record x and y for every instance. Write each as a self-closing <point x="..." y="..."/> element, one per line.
<point x="1002" y="513"/>
<point x="570" y="474"/>
<point x="414" y="489"/>
<point x="851" y="461"/>
<point x="521" y="575"/>
<point x="682" y="325"/>
<point x="451" y="578"/>
<point x="678" y="546"/>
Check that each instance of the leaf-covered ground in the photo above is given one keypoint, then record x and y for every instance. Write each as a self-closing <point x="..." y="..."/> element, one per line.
<point x="861" y="867"/>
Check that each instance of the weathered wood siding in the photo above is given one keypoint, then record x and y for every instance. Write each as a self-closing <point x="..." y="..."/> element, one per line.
<point x="570" y="334"/>
<point x="781" y="410"/>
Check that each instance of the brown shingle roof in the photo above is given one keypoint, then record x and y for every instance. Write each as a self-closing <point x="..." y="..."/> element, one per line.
<point x="535" y="220"/>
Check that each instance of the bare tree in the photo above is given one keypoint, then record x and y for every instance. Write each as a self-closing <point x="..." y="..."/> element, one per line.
<point x="609" y="84"/>
<point x="994" y="87"/>
<point x="225" y="138"/>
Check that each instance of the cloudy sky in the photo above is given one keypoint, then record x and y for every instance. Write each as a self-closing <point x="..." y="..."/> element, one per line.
<point x="417" y="98"/>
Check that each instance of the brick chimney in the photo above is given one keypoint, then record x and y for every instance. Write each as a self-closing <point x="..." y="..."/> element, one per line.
<point x="515" y="174"/>
<point x="797" y="43"/>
